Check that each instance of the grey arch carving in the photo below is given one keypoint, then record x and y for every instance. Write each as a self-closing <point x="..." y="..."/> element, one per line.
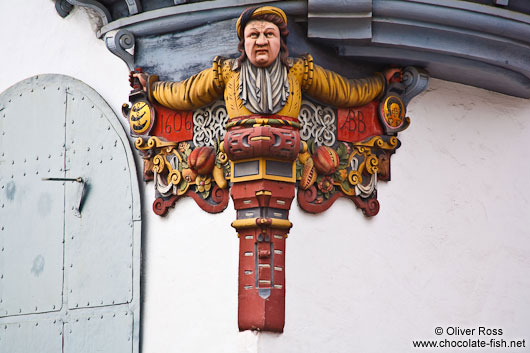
<point x="99" y="9"/>
<point x="470" y="42"/>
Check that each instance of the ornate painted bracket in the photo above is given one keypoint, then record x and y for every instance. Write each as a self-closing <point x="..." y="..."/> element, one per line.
<point x="118" y="42"/>
<point x="165" y="144"/>
<point x="326" y="153"/>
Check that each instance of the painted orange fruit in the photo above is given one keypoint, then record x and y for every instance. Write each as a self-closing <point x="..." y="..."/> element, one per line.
<point x="202" y="160"/>
<point x="326" y="160"/>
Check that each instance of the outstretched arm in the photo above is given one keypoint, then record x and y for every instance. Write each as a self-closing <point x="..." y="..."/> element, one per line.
<point x="334" y="89"/>
<point x="192" y="93"/>
<point x="197" y="91"/>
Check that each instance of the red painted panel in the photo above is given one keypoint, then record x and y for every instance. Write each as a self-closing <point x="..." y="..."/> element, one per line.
<point x="282" y="194"/>
<point x="262" y="141"/>
<point x="358" y="124"/>
<point x="264" y="275"/>
<point x="172" y="125"/>
<point x="256" y="313"/>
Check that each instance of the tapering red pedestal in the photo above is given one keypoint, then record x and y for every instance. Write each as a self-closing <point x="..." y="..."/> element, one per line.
<point x="263" y="176"/>
<point x="263" y="209"/>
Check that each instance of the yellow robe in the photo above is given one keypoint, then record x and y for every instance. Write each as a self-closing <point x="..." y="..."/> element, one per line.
<point x="304" y="77"/>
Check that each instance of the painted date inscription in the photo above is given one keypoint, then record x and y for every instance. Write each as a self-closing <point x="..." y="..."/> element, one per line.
<point x="173" y="125"/>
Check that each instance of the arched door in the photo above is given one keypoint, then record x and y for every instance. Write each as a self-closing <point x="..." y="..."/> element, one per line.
<point x="69" y="222"/>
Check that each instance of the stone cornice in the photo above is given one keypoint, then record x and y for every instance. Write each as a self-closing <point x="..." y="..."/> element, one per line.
<point x="481" y="45"/>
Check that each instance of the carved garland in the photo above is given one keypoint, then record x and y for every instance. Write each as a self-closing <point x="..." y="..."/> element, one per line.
<point x="346" y="151"/>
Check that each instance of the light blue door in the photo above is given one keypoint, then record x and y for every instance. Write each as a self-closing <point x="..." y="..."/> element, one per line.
<point x="69" y="222"/>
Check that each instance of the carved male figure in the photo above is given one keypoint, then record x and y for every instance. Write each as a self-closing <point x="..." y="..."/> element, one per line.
<point x="263" y="94"/>
<point x="264" y="80"/>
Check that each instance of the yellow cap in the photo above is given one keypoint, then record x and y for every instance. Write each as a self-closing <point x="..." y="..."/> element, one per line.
<point x="251" y="13"/>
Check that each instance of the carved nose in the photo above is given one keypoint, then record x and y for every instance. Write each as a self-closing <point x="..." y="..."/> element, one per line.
<point x="261" y="40"/>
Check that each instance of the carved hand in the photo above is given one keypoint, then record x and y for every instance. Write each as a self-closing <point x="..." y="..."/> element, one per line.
<point x="141" y="79"/>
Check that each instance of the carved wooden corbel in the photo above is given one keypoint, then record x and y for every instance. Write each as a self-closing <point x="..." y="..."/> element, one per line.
<point x="329" y="153"/>
<point x="316" y="151"/>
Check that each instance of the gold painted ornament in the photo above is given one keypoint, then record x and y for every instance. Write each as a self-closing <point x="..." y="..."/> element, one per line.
<point x="309" y="175"/>
<point x="392" y="114"/>
<point x="394" y="111"/>
<point x="141" y="116"/>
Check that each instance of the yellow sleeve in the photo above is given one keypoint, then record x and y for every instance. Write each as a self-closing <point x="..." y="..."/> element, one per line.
<point x="197" y="91"/>
<point x="331" y="88"/>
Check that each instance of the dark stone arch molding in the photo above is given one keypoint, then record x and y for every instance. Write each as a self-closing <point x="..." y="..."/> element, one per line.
<point x="483" y="45"/>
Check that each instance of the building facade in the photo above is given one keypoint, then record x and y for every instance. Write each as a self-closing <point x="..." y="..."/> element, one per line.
<point x="448" y="248"/>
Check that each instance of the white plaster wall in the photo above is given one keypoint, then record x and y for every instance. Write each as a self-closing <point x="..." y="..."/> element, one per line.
<point x="450" y="246"/>
<point x="190" y="264"/>
<point x="36" y="40"/>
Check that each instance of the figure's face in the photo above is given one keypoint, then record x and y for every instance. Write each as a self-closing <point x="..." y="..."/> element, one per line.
<point x="262" y="42"/>
<point x="394" y="110"/>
